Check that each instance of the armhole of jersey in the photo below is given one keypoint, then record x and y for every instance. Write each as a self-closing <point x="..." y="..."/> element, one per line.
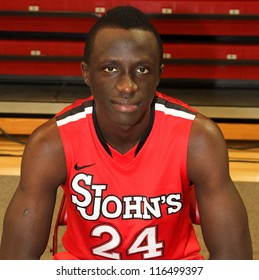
<point x="60" y="130"/>
<point x="187" y="152"/>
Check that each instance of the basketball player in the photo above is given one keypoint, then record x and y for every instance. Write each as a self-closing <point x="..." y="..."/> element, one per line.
<point x="127" y="158"/>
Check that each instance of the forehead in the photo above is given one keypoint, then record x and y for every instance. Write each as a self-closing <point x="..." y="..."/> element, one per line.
<point x="112" y="40"/>
<point x="114" y="32"/>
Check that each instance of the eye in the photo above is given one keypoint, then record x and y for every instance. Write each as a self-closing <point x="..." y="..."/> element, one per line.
<point x="142" y="70"/>
<point x="110" y="69"/>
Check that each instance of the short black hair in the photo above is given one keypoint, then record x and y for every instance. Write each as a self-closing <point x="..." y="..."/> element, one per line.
<point x="124" y="17"/>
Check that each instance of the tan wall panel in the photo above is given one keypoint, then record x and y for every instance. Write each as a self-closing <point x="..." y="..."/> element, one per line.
<point x="240" y="131"/>
<point x="20" y="126"/>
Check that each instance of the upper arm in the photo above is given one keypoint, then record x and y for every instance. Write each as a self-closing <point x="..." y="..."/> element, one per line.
<point x="222" y="211"/>
<point x="29" y="215"/>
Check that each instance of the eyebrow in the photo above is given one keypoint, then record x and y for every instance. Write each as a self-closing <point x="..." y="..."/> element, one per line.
<point x="143" y="62"/>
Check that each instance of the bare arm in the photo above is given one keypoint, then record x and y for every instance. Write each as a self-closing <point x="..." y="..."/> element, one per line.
<point x="28" y="218"/>
<point x="223" y="215"/>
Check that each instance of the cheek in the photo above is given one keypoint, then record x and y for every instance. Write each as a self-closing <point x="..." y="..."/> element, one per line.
<point x="149" y="86"/>
<point x="97" y="83"/>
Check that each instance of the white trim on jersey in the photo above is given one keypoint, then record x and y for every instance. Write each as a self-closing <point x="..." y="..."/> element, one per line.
<point x="158" y="107"/>
<point x="174" y="112"/>
<point x="75" y="117"/>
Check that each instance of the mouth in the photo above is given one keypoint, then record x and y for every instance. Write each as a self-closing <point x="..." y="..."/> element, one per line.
<point x="125" y="106"/>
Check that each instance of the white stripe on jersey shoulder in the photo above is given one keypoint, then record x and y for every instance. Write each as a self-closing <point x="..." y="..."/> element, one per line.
<point x="75" y="117"/>
<point x="174" y="112"/>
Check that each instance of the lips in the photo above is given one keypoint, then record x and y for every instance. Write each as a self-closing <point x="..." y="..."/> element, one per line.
<point x="125" y="106"/>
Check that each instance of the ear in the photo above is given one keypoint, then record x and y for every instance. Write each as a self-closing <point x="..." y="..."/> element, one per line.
<point x="85" y="72"/>
<point x="161" y="69"/>
<point x="160" y="73"/>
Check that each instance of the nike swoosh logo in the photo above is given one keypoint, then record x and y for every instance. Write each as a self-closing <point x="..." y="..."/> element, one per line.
<point x="77" y="167"/>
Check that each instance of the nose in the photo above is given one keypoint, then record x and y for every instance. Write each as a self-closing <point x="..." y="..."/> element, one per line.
<point x="126" y="84"/>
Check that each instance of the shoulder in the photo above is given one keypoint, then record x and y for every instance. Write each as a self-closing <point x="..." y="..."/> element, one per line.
<point x="207" y="151"/>
<point x="44" y="154"/>
<point x="78" y="107"/>
<point x="174" y="107"/>
<point x="46" y="135"/>
<point x="172" y="102"/>
<point x="205" y="132"/>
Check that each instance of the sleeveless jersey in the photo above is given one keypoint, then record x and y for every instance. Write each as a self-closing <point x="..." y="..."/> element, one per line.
<point x="133" y="205"/>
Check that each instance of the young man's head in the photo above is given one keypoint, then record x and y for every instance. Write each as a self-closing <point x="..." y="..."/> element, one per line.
<point x="122" y="67"/>
<point x="122" y="17"/>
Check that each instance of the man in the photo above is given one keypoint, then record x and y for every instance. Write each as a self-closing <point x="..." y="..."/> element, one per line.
<point x="127" y="158"/>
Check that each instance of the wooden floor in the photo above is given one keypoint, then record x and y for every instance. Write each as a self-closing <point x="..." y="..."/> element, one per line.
<point x="244" y="163"/>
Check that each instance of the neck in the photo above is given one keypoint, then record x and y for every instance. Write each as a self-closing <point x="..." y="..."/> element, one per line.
<point x="122" y="137"/>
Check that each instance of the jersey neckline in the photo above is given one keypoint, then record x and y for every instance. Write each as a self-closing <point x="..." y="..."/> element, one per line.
<point x="138" y="146"/>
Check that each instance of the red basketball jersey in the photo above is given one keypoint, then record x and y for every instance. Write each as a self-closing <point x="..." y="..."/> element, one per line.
<point x="133" y="205"/>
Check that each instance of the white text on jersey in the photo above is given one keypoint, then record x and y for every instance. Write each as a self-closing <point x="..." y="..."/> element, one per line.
<point x="113" y="207"/>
